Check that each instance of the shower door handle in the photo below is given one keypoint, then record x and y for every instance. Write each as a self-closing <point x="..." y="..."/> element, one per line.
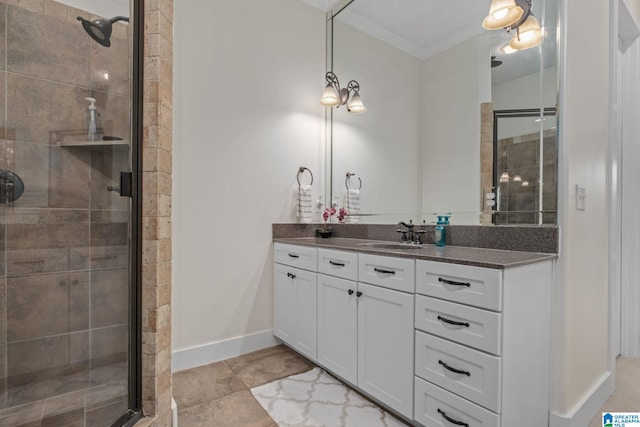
<point x="126" y="185"/>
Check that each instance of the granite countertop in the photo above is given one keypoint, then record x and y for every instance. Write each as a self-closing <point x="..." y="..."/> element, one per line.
<point x="479" y="257"/>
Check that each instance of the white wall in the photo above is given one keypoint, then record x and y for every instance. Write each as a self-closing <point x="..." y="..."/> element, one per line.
<point x="454" y="84"/>
<point x="580" y="324"/>
<point x="248" y="75"/>
<point x="381" y="145"/>
<point x="525" y="93"/>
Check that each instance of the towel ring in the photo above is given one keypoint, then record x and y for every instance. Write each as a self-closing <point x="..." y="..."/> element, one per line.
<point x="346" y="181"/>
<point x="301" y="170"/>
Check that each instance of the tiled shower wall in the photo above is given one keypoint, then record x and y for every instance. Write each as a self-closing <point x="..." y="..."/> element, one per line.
<point x="63" y="295"/>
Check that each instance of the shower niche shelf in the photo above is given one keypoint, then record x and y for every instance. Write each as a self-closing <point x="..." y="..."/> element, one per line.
<point x="74" y="138"/>
<point x="93" y="144"/>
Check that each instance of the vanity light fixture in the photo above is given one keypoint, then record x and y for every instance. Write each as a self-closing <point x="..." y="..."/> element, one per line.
<point x="334" y="96"/>
<point x="514" y="15"/>
<point x="525" y="183"/>
<point x="517" y="178"/>
<point x="504" y="177"/>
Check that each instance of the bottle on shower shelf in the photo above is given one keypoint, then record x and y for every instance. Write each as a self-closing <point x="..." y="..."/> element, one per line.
<point x="92" y="126"/>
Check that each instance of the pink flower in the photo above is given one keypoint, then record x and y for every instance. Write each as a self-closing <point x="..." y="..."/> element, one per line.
<point x="342" y="213"/>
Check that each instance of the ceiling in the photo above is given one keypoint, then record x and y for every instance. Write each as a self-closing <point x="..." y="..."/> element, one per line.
<point x="424" y="28"/>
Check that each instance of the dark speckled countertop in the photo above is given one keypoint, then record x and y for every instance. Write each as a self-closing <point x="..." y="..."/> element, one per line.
<point x="479" y="257"/>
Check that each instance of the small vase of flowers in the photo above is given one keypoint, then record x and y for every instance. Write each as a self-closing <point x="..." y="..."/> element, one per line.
<point x="326" y="230"/>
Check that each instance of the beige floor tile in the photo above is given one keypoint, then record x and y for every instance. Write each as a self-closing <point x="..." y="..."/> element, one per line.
<point x="239" y="409"/>
<point x="267" y="365"/>
<point x="626" y="398"/>
<point x="204" y="384"/>
<point x="195" y="416"/>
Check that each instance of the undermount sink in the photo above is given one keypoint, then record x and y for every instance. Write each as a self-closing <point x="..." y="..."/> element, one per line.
<point x="390" y="245"/>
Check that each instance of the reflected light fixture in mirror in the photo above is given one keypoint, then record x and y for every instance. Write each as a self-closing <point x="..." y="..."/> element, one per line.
<point x="514" y="15"/>
<point x="334" y="96"/>
<point x="502" y="14"/>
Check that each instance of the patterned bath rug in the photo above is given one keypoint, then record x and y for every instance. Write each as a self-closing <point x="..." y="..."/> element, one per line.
<point x="316" y="399"/>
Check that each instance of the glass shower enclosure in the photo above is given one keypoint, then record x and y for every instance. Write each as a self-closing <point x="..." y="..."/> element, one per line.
<point x="67" y="305"/>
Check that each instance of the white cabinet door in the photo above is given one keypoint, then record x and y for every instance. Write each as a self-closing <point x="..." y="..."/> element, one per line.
<point x="283" y="303"/>
<point x="385" y="346"/>
<point x="295" y="308"/>
<point x="337" y="326"/>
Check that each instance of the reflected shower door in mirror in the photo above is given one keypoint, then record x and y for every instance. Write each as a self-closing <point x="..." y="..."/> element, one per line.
<point x="426" y="69"/>
<point x="525" y="167"/>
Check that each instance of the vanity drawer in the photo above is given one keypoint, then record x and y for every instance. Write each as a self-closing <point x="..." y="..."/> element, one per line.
<point x="466" y="372"/>
<point x="433" y="404"/>
<point x="389" y="272"/>
<point x="460" y="323"/>
<point x="304" y="257"/>
<point x="477" y="286"/>
<point x="338" y="263"/>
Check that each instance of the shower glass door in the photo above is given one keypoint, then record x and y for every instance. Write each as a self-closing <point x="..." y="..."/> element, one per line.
<point x="65" y="284"/>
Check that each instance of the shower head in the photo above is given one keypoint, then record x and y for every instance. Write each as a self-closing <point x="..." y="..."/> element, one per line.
<point x="100" y="29"/>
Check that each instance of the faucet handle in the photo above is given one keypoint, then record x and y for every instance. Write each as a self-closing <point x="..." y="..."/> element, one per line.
<point x="404" y="235"/>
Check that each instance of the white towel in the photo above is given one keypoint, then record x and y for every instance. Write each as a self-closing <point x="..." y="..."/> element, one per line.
<point x="352" y="203"/>
<point x="304" y="207"/>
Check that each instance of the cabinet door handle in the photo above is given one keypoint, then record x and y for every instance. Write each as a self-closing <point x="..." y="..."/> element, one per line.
<point x="350" y="291"/>
<point x="338" y="264"/>
<point x="293" y="276"/>
<point x="379" y="270"/>
<point x="452" y="322"/>
<point x="451" y="420"/>
<point x="294" y="256"/>
<point x="358" y="294"/>
<point x="453" y="282"/>
<point x="454" y="370"/>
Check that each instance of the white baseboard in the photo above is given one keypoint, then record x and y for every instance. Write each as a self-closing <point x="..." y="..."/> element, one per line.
<point x="217" y="351"/>
<point x="588" y="407"/>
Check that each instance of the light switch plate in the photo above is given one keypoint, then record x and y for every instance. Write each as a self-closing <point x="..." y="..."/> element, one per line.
<point x="581" y="197"/>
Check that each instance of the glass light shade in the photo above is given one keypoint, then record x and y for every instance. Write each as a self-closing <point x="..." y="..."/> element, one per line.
<point x="507" y="50"/>
<point x="355" y="105"/>
<point x="330" y="97"/>
<point x="517" y="178"/>
<point x="525" y="183"/>
<point x="528" y="35"/>
<point x="504" y="177"/>
<point x="502" y="14"/>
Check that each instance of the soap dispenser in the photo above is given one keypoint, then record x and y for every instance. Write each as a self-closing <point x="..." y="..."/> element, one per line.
<point x="440" y="232"/>
<point x="92" y="127"/>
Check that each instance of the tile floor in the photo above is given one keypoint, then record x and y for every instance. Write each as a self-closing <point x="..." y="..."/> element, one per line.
<point x="626" y="398"/>
<point x="218" y="394"/>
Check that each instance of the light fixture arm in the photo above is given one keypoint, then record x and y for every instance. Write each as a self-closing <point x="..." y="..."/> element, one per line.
<point x="526" y="6"/>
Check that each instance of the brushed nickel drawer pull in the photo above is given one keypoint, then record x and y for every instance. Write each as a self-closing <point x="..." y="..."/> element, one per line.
<point x="454" y="370"/>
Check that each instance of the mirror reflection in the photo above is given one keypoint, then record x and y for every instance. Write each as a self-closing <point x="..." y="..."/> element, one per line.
<point x="432" y="79"/>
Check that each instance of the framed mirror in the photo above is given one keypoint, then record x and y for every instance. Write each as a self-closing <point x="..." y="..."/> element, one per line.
<point x="431" y="78"/>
